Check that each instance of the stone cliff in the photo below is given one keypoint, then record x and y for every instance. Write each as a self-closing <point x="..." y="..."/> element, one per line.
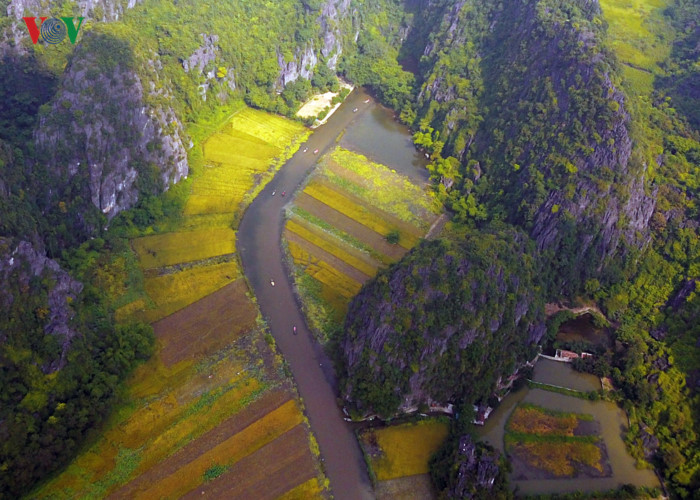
<point x="109" y="128"/>
<point x="442" y="325"/>
<point x="20" y="265"/>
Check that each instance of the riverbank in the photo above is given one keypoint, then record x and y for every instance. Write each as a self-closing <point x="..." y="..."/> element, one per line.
<point x="319" y="102"/>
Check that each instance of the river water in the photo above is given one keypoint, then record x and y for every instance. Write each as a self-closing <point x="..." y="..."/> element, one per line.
<point x="377" y="135"/>
<point x="370" y="130"/>
<point x="612" y="420"/>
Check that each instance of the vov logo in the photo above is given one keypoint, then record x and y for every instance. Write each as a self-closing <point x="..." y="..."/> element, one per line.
<point x="53" y="30"/>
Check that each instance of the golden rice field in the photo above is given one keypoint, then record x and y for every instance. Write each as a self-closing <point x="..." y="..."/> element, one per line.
<point x="365" y="214"/>
<point x="374" y="183"/>
<point x="403" y="450"/>
<point x="214" y="393"/>
<point x="161" y="250"/>
<point x="324" y="273"/>
<point x="334" y="246"/>
<point x="337" y="231"/>
<point x="171" y="292"/>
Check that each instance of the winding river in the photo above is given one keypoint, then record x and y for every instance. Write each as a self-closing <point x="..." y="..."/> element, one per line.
<point x="258" y="243"/>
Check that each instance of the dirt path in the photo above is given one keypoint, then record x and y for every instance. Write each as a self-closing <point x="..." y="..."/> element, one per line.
<point x="259" y="247"/>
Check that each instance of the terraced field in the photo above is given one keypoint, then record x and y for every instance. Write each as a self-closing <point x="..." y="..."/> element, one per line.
<point x="352" y="218"/>
<point x="212" y="412"/>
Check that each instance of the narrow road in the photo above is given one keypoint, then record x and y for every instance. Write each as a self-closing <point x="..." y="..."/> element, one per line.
<point x="258" y="242"/>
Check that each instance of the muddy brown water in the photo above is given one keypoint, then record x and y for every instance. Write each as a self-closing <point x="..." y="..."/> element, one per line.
<point x="612" y="421"/>
<point x="371" y="131"/>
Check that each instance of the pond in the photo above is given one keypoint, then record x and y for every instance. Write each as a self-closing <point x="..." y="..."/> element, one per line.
<point x="612" y="420"/>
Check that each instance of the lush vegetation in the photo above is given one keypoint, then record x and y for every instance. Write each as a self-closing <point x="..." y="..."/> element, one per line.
<point x="467" y="303"/>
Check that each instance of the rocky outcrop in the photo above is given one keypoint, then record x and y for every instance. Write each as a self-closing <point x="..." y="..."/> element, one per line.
<point x="443" y="325"/>
<point x="19" y="265"/>
<point x="202" y="61"/>
<point x="301" y="66"/>
<point x="110" y="128"/>
<point x="305" y="58"/>
<point x="475" y="470"/>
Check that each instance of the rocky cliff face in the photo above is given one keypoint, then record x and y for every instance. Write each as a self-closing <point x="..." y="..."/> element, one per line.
<point x="443" y="325"/>
<point x="110" y="129"/>
<point x="22" y="263"/>
<point x="305" y="58"/>
<point x="528" y="91"/>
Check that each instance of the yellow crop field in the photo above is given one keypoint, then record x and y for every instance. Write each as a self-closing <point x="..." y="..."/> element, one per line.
<point x="188" y="429"/>
<point x="532" y="420"/>
<point x="362" y="214"/>
<point x="175" y="248"/>
<point x="171" y="292"/>
<point x="308" y="490"/>
<point x="230" y="451"/>
<point x="403" y="450"/>
<point x="381" y="187"/>
<point x="334" y="246"/>
<point x="272" y="129"/>
<point x="323" y="272"/>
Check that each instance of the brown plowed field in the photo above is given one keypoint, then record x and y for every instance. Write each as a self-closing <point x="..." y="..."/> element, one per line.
<point x="353" y="228"/>
<point x="268" y="473"/>
<point x="320" y="253"/>
<point x="206" y="325"/>
<point x="256" y="410"/>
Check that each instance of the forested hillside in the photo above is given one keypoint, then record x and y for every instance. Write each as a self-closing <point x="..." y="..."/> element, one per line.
<point x="91" y="135"/>
<point x="567" y="155"/>
<point x="540" y="115"/>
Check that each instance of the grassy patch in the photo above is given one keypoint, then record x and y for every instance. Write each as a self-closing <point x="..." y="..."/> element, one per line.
<point x="403" y="450"/>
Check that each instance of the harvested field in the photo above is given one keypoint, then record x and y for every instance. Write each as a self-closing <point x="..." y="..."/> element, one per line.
<point x="172" y="292"/>
<point x="207" y="325"/>
<point x="403" y="450"/>
<point x="167" y="249"/>
<point x="370" y="217"/>
<point x="227" y="443"/>
<point x="330" y="245"/>
<point x="277" y="467"/>
<point x="418" y="487"/>
<point x="341" y="221"/>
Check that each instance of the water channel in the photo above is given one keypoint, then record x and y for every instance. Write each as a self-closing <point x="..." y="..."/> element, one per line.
<point x="612" y="420"/>
<point x="258" y="242"/>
